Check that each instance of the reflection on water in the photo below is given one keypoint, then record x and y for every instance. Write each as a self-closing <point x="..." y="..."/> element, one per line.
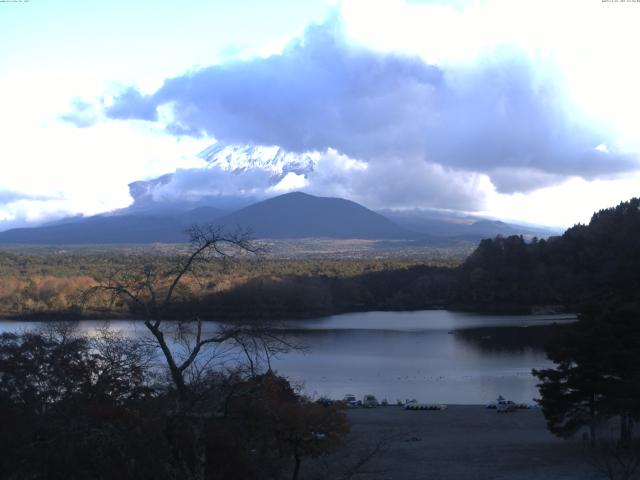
<point x="509" y="339"/>
<point x="433" y="356"/>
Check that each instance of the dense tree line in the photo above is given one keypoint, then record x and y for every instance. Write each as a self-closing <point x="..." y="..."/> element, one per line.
<point x="295" y="297"/>
<point x="595" y="383"/>
<point x="504" y="274"/>
<point x="74" y="407"/>
<point x="265" y="296"/>
<point x="588" y="263"/>
<point x="42" y="285"/>
<point x="597" y="375"/>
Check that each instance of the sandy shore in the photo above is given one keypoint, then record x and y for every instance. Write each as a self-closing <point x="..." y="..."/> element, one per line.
<point x="462" y="442"/>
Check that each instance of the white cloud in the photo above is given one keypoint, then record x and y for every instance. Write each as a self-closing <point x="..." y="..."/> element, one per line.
<point x="86" y="170"/>
<point x="291" y="182"/>
<point x="571" y="202"/>
<point x="586" y="49"/>
<point x="592" y="43"/>
<point x="504" y="117"/>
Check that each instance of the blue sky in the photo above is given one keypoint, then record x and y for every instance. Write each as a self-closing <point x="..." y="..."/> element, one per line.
<point x="124" y="41"/>
<point x="517" y="109"/>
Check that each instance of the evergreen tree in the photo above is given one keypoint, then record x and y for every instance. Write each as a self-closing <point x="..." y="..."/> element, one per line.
<point x="597" y="375"/>
<point x="573" y="393"/>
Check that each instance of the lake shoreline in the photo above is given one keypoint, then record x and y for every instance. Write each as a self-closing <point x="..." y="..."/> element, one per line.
<point x="83" y="315"/>
<point x="437" y="356"/>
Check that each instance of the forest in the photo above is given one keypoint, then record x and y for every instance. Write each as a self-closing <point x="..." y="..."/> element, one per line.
<point x="50" y="284"/>
<point x="588" y="264"/>
<point x="74" y="407"/>
<point x="503" y="275"/>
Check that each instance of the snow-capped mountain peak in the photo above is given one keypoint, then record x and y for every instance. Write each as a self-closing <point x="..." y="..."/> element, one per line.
<point x="284" y="171"/>
<point x="241" y="158"/>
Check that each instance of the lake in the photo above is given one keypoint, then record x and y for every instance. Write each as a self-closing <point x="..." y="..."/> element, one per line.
<point x="433" y="356"/>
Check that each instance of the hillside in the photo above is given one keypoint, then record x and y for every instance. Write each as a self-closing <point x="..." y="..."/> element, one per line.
<point x="457" y="225"/>
<point x="290" y="216"/>
<point x="298" y="215"/>
<point x="293" y="215"/>
<point x="113" y="229"/>
<point x="588" y="263"/>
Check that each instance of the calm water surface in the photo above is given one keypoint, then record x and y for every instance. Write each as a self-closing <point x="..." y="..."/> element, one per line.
<point x="433" y="356"/>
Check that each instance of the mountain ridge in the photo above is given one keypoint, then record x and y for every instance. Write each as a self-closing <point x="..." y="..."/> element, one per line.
<point x="291" y="215"/>
<point x="311" y="216"/>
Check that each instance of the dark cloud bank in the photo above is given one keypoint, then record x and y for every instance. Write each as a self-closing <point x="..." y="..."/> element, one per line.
<point x="504" y="116"/>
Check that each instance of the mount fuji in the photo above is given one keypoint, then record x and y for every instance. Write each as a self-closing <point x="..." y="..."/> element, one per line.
<point x="165" y="206"/>
<point x="273" y="162"/>
<point x="241" y="158"/>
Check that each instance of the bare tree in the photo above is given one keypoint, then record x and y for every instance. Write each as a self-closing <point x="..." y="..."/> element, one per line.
<point x="153" y="290"/>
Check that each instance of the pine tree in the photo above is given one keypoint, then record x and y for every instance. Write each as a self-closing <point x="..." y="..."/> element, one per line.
<point x="597" y="375"/>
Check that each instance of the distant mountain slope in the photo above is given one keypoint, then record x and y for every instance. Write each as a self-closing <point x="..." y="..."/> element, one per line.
<point x="298" y="215"/>
<point x="109" y="229"/>
<point x="293" y="215"/>
<point x="449" y="225"/>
